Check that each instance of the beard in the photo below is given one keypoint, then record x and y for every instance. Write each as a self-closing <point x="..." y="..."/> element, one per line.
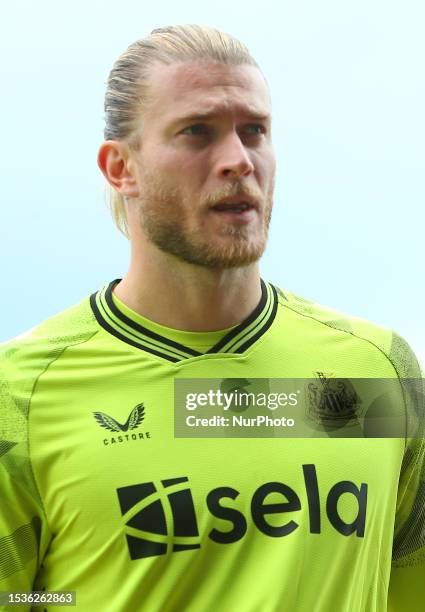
<point x="172" y="221"/>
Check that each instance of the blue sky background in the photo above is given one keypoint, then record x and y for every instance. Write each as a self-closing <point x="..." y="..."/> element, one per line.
<point x="348" y="91"/>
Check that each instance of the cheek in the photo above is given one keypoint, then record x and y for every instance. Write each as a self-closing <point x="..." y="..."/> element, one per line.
<point x="195" y="163"/>
<point x="186" y="171"/>
<point x="265" y="166"/>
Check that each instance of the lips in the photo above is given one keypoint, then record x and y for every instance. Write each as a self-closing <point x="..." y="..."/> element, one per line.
<point x="237" y="203"/>
<point x="233" y="206"/>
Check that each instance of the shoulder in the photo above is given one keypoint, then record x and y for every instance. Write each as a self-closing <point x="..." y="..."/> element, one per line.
<point x="25" y="357"/>
<point x="70" y="326"/>
<point x="360" y="331"/>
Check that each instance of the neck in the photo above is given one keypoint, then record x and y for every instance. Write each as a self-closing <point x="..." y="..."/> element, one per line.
<point x="188" y="297"/>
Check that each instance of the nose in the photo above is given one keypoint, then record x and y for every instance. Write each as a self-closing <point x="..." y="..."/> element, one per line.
<point x="233" y="158"/>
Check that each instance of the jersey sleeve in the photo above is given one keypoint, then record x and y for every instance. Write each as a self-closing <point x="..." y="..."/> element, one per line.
<point x="25" y="533"/>
<point x="23" y="526"/>
<point x="407" y="579"/>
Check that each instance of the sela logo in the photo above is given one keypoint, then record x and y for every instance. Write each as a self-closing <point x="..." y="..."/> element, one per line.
<point x="162" y="519"/>
<point x="151" y="530"/>
<point x="135" y="418"/>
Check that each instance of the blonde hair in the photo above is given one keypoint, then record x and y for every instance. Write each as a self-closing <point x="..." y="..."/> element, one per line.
<point x="128" y="83"/>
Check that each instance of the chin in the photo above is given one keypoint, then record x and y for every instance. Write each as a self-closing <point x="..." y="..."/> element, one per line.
<point x="226" y="258"/>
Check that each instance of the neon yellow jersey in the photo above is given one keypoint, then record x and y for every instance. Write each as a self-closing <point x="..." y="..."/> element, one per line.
<point x="99" y="497"/>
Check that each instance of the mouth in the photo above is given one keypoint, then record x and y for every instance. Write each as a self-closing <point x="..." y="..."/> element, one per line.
<point x="235" y="206"/>
<point x="240" y="213"/>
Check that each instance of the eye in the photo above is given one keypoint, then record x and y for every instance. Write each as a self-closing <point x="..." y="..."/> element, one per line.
<point x="199" y="129"/>
<point x="256" y="129"/>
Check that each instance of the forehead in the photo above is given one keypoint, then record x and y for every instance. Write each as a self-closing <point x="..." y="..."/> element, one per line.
<point x="200" y="87"/>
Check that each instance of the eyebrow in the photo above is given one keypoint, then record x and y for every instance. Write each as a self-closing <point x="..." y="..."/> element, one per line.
<point x="214" y="113"/>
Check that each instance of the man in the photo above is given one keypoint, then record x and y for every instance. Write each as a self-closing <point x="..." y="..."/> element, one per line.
<point x="99" y="495"/>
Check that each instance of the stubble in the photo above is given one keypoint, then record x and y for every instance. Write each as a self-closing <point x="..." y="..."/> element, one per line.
<point x="168" y="220"/>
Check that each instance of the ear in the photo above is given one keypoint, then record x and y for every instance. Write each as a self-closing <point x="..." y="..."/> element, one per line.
<point x="118" y="168"/>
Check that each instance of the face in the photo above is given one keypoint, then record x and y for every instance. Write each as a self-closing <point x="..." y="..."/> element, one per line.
<point x="205" y="169"/>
